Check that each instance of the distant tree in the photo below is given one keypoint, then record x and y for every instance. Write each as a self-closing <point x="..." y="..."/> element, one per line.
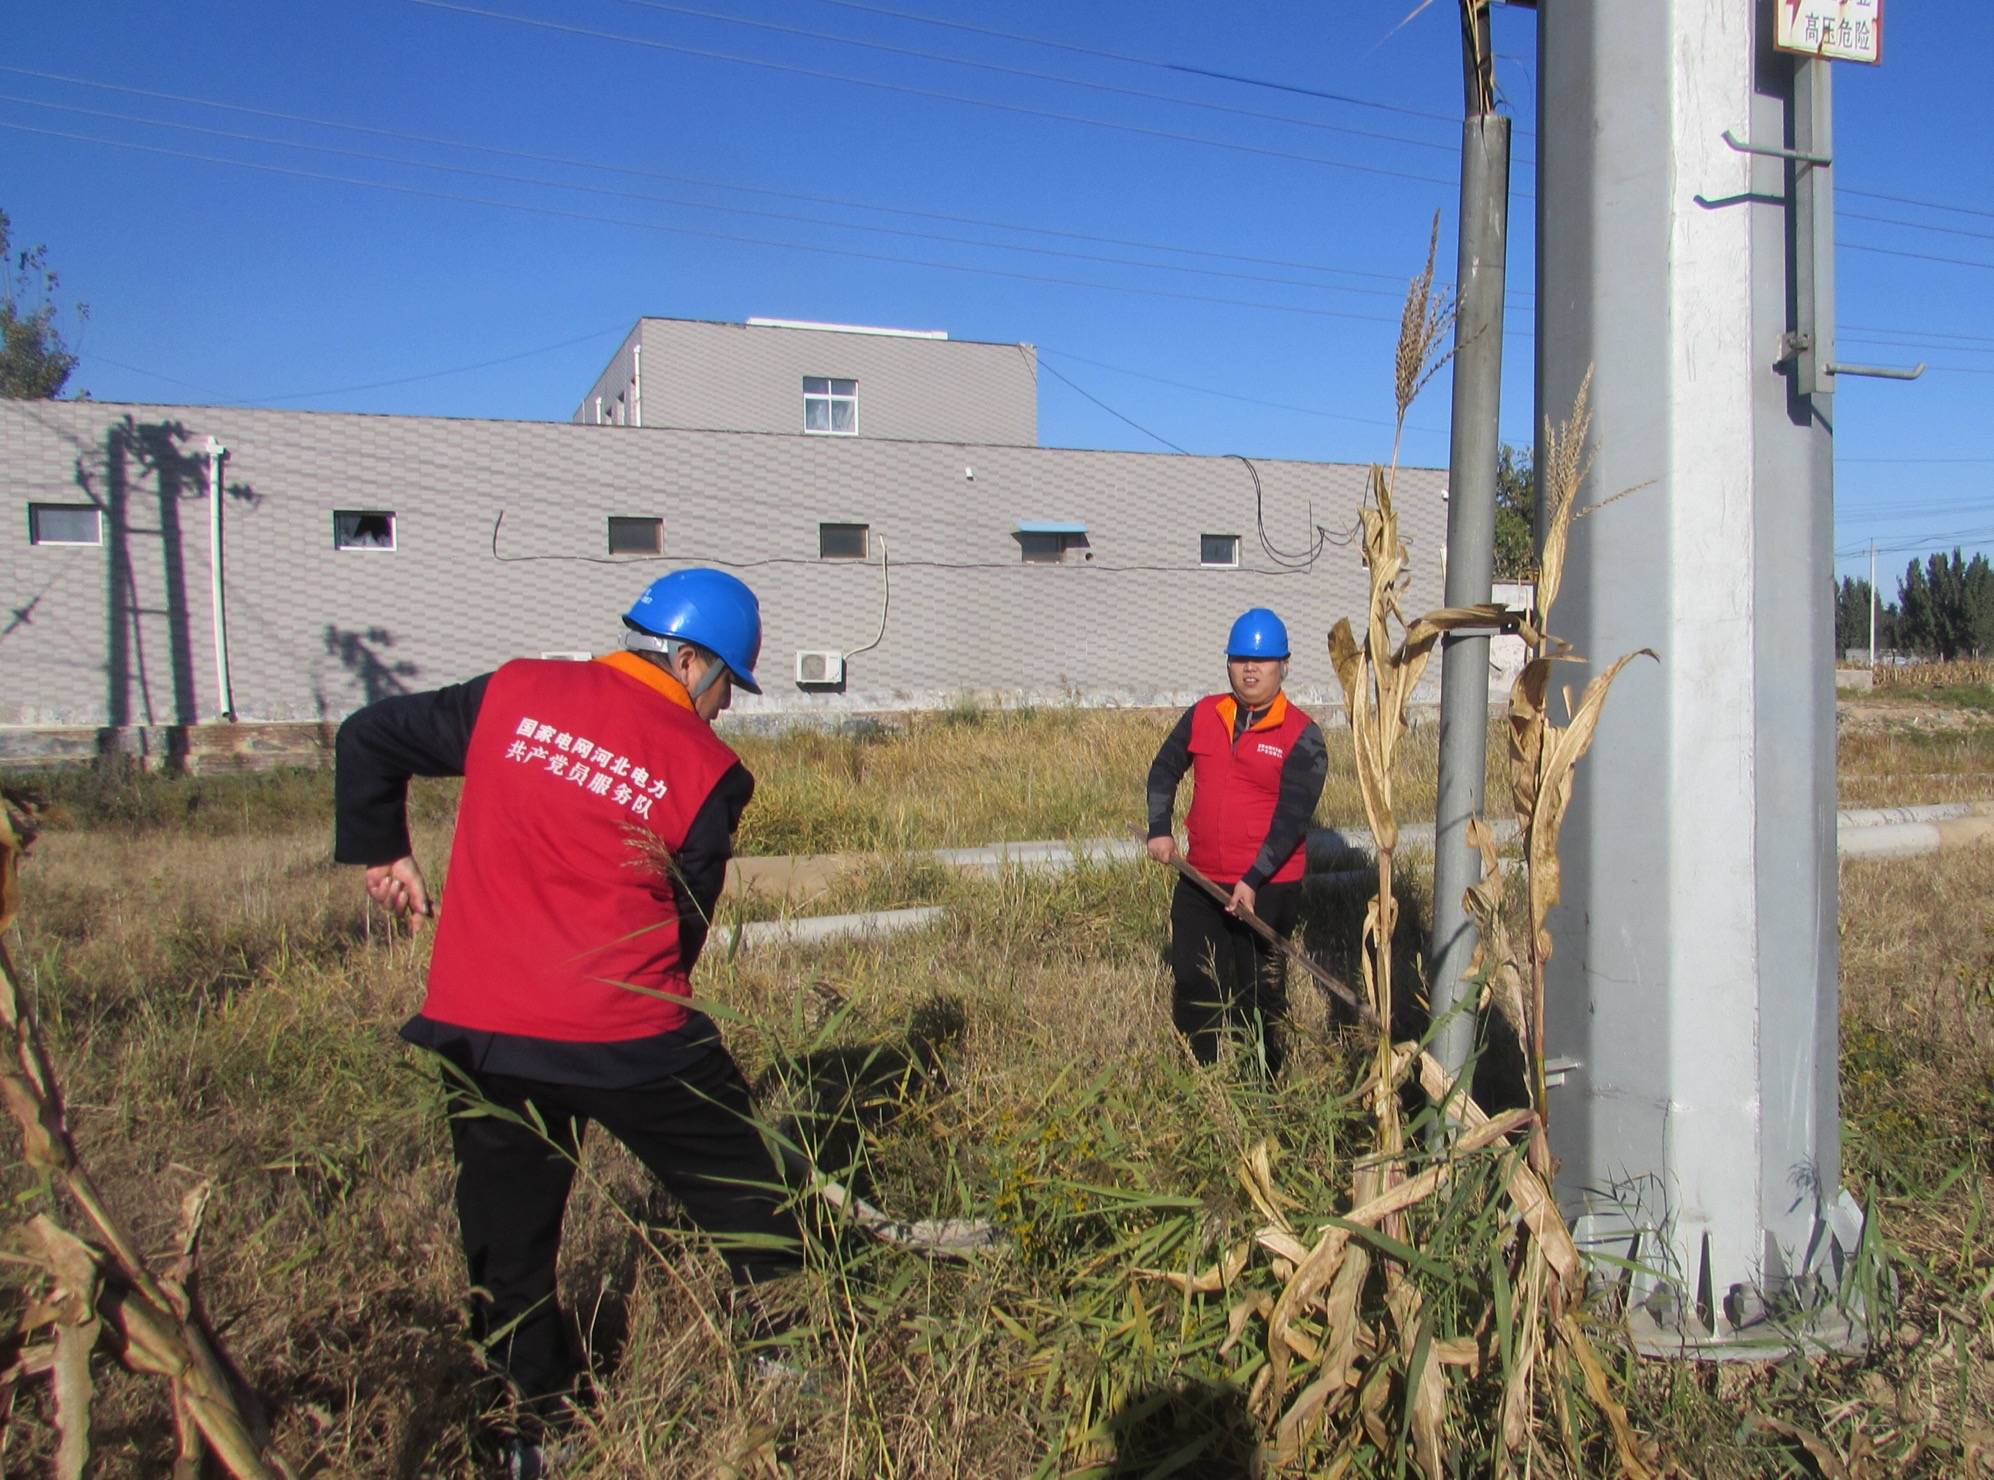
<point x="1918" y="628"/>
<point x="35" y="359"/>
<point x="1516" y="515"/>
<point x="1852" y="599"/>
<point x="1979" y="585"/>
<point x="1949" y="606"/>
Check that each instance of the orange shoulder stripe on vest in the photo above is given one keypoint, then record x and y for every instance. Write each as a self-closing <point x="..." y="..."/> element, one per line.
<point x="648" y="674"/>
<point x="1276" y="712"/>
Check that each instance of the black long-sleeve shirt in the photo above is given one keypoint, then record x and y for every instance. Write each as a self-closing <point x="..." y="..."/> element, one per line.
<point x="1302" y="780"/>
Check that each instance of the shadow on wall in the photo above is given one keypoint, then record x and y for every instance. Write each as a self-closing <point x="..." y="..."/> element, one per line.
<point x="22" y="615"/>
<point x="138" y="483"/>
<point x="359" y="653"/>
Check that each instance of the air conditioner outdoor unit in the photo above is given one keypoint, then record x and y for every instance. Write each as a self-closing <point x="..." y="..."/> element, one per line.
<point x="820" y="667"/>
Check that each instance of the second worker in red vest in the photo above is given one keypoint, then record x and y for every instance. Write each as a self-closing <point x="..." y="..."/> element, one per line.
<point x="1258" y="764"/>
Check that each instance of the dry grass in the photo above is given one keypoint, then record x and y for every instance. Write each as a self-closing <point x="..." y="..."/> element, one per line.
<point x="219" y="1009"/>
<point x="1917" y="754"/>
<point x="1964" y="673"/>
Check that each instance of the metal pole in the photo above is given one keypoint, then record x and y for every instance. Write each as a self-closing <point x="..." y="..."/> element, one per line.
<point x="216" y="453"/>
<point x="1872" y="608"/>
<point x="1471" y="483"/>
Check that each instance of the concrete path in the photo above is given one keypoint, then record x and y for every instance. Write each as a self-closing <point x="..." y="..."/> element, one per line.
<point x="1883" y="832"/>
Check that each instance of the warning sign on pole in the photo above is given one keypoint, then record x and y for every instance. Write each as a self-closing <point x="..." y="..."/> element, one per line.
<point x="1842" y="30"/>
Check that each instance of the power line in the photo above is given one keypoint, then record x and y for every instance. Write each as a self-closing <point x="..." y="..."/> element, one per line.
<point x="1206" y="390"/>
<point x="1923" y="333"/>
<point x="908" y="89"/>
<point x="1908" y="200"/>
<point x="1985" y="236"/>
<point x="1851" y="246"/>
<point x="1177" y="67"/>
<point x="1035" y="76"/>
<point x="1897" y="341"/>
<point x="372" y="385"/>
<point x="239" y="136"/>
<point x="575" y="162"/>
<point x="1154" y="436"/>
<point x="375" y="385"/>
<point x="1929" y="541"/>
<point x="696" y="232"/>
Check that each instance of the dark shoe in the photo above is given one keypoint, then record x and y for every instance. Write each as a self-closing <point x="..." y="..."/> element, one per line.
<point x="527" y="1460"/>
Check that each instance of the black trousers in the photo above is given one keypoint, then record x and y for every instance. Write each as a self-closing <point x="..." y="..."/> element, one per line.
<point x="1227" y="977"/>
<point x="512" y="1188"/>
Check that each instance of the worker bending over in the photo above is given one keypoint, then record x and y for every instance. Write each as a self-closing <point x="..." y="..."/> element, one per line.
<point x="597" y="817"/>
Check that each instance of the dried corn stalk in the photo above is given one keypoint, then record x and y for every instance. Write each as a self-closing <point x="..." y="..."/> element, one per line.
<point x="99" y="1290"/>
<point x="1355" y="1356"/>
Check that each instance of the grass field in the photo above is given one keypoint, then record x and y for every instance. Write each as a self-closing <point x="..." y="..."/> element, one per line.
<point x="221" y="1005"/>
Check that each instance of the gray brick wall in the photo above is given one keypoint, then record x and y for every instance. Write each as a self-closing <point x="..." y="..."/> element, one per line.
<point x="121" y="634"/>
<point x="749" y="378"/>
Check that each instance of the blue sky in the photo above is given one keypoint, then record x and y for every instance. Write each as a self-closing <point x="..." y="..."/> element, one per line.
<point x="1204" y="216"/>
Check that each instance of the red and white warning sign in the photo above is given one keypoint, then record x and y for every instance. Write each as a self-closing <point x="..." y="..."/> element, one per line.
<point x="1842" y="30"/>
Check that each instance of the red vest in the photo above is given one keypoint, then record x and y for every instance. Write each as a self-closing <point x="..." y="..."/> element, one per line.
<point x="1236" y="785"/>
<point x="560" y="918"/>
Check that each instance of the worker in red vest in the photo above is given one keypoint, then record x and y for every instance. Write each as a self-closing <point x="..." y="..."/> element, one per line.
<point x="596" y="821"/>
<point x="1258" y="765"/>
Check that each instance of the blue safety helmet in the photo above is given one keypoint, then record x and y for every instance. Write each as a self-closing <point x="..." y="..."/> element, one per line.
<point x="1258" y="634"/>
<point x="711" y="608"/>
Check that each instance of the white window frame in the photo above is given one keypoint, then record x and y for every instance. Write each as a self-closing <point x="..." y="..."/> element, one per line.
<point x="1232" y="564"/>
<point x="865" y="538"/>
<point x="830" y="398"/>
<point x="36" y="537"/>
<point x="394" y="529"/>
<point x="609" y="533"/>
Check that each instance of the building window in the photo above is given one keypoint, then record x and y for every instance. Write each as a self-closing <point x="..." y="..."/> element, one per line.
<point x="633" y="535"/>
<point x="1218" y="549"/>
<point x="363" y="529"/>
<point x="1049" y="541"/>
<point x="830" y="406"/>
<point x="843" y="541"/>
<point x="65" y="524"/>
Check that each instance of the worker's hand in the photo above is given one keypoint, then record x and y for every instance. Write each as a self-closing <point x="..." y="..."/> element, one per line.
<point x="400" y="889"/>
<point x="1163" y="849"/>
<point x="1241" y="902"/>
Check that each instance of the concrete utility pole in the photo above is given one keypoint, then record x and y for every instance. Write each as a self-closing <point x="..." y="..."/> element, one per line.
<point x="1471" y="496"/>
<point x="1695" y="975"/>
<point x="1872" y="608"/>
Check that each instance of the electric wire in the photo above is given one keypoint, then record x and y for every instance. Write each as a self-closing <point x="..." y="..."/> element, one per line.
<point x="787" y="217"/>
<point x="1029" y="74"/>
<point x="1842" y="215"/>
<point x="703" y="182"/>
<point x="1140" y="61"/>
<point x="1887" y="251"/>
<point x="1153" y="436"/>
<point x="933" y="94"/>
<point x="1908" y="200"/>
<point x="696" y="232"/>
<point x="1206" y="390"/>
